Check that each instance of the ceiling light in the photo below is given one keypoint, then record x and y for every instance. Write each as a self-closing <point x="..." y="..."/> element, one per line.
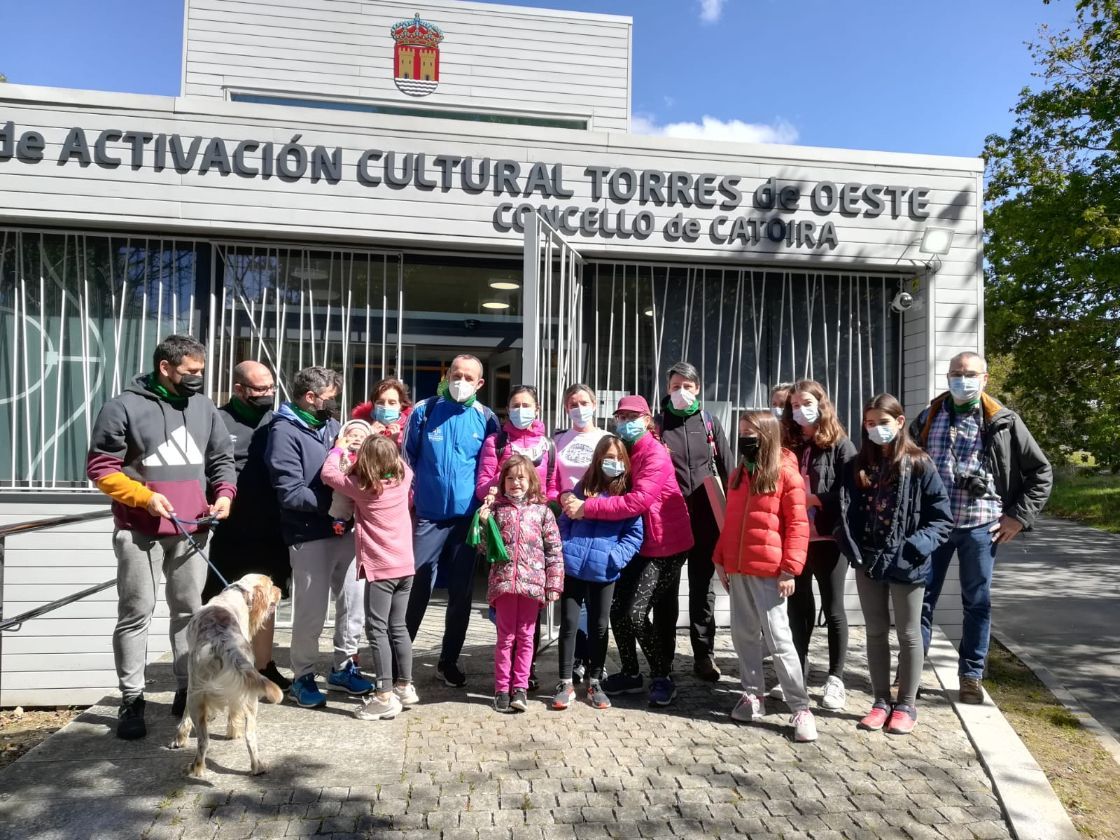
<point x="504" y="285"/>
<point x="936" y="241"/>
<point x="494" y="304"/>
<point x="310" y="274"/>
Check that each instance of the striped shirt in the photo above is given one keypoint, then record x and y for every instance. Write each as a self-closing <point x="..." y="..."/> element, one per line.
<point x="956" y="446"/>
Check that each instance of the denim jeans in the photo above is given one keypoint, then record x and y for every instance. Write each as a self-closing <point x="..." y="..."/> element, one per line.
<point x="442" y="547"/>
<point x="976" y="553"/>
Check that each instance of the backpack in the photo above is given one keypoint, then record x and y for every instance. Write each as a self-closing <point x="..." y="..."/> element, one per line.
<point x="502" y="442"/>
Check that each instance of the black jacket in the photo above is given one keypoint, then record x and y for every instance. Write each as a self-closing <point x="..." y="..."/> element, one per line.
<point x="1022" y="474"/>
<point x="921" y="523"/>
<point x="827" y="468"/>
<point x="255" y="514"/>
<point x="686" y="438"/>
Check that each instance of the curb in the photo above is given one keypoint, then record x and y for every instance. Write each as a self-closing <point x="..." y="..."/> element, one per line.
<point x="1032" y="808"/>
<point x="1064" y="696"/>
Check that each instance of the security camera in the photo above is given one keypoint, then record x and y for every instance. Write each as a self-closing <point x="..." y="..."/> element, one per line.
<point x="902" y="302"/>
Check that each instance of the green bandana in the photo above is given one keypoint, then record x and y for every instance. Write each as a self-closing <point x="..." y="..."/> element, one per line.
<point x="444" y="390"/>
<point x="306" y="416"/>
<point x="966" y="408"/>
<point x="156" y="388"/>
<point x="685" y="412"/>
<point x="250" y="414"/>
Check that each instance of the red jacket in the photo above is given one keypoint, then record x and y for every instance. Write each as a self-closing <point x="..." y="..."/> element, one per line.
<point x="765" y="534"/>
<point x="656" y="496"/>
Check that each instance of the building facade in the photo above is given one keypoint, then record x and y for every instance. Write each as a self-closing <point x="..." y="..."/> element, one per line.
<point x="378" y="187"/>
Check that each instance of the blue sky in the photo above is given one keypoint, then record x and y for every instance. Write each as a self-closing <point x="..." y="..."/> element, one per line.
<point x="898" y="75"/>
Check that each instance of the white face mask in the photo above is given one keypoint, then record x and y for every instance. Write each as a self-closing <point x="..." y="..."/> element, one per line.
<point x="461" y="390"/>
<point x="613" y="468"/>
<point x="582" y="415"/>
<point x="964" y="388"/>
<point x="682" y="399"/>
<point x="806" y="415"/>
<point x="882" y="433"/>
<point x="777" y="412"/>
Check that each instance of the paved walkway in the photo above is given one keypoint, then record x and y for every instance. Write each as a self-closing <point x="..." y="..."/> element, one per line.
<point x="453" y="768"/>
<point x="1056" y="595"/>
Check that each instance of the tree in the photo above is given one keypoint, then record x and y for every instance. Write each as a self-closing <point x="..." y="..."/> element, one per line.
<point x="3" y="78"/>
<point x="1052" y="296"/>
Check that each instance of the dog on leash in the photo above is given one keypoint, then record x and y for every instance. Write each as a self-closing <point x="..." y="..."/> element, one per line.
<point x="221" y="671"/>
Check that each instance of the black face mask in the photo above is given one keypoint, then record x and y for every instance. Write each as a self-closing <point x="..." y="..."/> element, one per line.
<point x="189" y="384"/>
<point x="328" y="410"/>
<point x="261" y="401"/>
<point x="748" y="447"/>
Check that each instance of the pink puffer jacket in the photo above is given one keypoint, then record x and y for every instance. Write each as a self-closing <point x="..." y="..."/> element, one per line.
<point x="536" y="555"/>
<point x="531" y="442"/>
<point x="655" y="496"/>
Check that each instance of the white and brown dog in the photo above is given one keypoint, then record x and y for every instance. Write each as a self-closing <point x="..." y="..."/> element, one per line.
<point x="221" y="672"/>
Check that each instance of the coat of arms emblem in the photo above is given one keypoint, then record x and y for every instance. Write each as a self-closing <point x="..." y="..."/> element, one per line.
<point x="416" y="56"/>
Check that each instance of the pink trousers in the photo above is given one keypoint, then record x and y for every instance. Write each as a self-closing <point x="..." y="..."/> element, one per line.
<point x="516" y="617"/>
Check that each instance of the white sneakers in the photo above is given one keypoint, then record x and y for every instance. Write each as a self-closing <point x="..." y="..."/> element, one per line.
<point x="835" y="697"/>
<point x="749" y="708"/>
<point x="406" y="694"/>
<point x="377" y="709"/>
<point x="804" y="726"/>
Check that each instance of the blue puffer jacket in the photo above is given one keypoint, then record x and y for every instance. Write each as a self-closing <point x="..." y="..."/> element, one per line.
<point x="294" y="455"/>
<point x="597" y="550"/>
<point x="441" y="444"/>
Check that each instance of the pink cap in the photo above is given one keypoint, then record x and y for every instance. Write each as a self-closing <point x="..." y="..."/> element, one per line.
<point x="633" y="403"/>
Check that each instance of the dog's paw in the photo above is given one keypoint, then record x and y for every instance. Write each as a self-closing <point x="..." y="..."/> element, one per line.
<point x="176" y="744"/>
<point x="197" y="770"/>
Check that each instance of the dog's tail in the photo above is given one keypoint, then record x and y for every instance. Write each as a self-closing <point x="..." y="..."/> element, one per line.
<point x="269" y="690"/>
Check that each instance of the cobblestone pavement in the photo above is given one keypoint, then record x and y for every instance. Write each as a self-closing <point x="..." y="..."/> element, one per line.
<point x="454" y="769"/>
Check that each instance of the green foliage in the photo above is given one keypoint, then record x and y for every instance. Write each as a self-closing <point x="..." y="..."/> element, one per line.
<point x="1053" y="240"/>
<point x="1092" y="499"/>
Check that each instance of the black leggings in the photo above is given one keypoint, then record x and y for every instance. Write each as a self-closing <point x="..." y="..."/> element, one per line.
<point x="647" y="583"/>
<point x="826" y="565"/>
<point x="598" y="597"/>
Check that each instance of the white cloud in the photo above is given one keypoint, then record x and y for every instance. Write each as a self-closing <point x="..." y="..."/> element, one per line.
<point x="710" y="10"/>
<point x="711" y="128"/>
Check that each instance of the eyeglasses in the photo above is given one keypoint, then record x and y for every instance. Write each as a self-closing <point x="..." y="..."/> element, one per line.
<point x="967" y="373"/>
<point x="260" y="389"/>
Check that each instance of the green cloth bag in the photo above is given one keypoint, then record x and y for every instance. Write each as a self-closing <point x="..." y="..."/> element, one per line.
<point x="495" y="548"/>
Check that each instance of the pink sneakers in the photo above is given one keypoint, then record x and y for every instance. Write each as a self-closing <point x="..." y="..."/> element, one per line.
<point x="902" y="720"/>
<point x="873" y="721"/>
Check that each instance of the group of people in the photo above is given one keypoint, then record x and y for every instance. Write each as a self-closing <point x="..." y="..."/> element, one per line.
<point x="374" y="511"/>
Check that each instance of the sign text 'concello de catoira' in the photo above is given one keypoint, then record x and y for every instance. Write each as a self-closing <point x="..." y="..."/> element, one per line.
<point x="530" y="186"/>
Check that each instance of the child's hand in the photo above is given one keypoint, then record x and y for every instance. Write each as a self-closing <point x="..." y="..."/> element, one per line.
<point x="376" y="427"/>
<point x="786" y="585"/>
<point x="552" y="595"/>
<point x="723" y="578"/>
<point x="484" y="513"/>
<point x="340" y="442"/>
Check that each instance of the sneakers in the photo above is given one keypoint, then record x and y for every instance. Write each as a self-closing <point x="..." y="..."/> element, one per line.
<point x="902" y="720"/>
<point x="564" y="697"/>
<point x="451" y="675"/>
<point x="706" y="669"/>
<point x="579" y="671"/>
<point x="130" y="719"/>
<point x="972" y="691"/>
<point x="750" y="708"/>
<point x="804" y="727"/>
<point x="273" y="673"/>
<point x="835" y="697"/>
<point x="304" y="692"/>
<point x="623" y="684"/>
<point x="777" y="693"/>
<point x="406" y="694"/>
<point x="377" y="709"/>
<point x="519" y="702"/>
<point x="596" y="696"/>
<point x="501" y="702"/>
<point x="534" y="680"/>
<point x="179" y="704"/>
<point x="662" y="690"/>
<point x="874" y="720"/>
<point x="349" y="678"/>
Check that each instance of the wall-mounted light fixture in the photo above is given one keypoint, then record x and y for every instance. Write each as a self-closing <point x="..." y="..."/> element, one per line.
<point x="936" y="241"/>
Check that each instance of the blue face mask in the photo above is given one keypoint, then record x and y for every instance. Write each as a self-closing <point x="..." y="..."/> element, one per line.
<point x="522" y="418"/>
<point x="581" y="415"/>
<point x="613" y="468"/>
<point x="631" y="430"/>
<point x="964" y="388"/>
<point x="386" y="414"/>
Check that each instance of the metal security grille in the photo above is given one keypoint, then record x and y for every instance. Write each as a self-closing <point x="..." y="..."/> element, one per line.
<point x="80" y="315"/>
<point x="745" y="329"/>
<point x="294" y="307"/>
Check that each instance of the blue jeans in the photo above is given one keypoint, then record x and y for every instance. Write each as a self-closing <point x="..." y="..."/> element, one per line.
<point x="441" y="548"/>
<point x="977" y="555"/>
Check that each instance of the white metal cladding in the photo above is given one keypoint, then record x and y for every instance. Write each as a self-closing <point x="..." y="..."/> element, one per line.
<point x="81" y="315"/>
<point x="493" y="58"/>
<point x="745" y="330"/>
<point x="291" y="307"/>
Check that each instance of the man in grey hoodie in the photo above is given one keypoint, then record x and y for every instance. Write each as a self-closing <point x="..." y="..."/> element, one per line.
<point x="159" y="449"/>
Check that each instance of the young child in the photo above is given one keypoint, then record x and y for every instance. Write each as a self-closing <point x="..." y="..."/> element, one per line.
<point x="351" y="436"/>
<point x="533" y="575"/>
<point x="378" y="485"/>
<point x="595" y="553"/>
<point x="759" y="554"/>
<point x="895" y="512"/>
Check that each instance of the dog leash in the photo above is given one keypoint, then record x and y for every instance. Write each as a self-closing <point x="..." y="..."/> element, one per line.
<point x="207" y="521"/>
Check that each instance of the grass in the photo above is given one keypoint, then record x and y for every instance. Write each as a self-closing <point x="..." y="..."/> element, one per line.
<point x="1084" y="776"/>
<point x="1092" y="499"/>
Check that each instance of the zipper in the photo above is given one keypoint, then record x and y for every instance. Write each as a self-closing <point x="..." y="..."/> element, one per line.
<point x="516" y="543"/>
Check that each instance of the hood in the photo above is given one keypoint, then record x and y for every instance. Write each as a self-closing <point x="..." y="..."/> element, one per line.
<point x="536" y="430"/>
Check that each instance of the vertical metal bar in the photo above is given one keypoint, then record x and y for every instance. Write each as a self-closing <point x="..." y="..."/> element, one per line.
<point x="15" y="344"/>
<point x="610" y="332"/>
<point x="86" y="322"/>
<point x="42" y="357"/>
<point x="26" y="369"/>
<point x="61" y="350"/>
